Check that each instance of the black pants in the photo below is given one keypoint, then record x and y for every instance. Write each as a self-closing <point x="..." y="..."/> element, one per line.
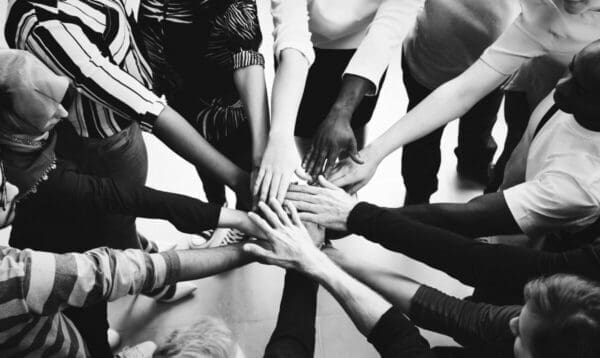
<point x="517" y="111"/>
<point x="294" y="334"/>
<point x="421" y="159"/>
<point x="323" y="85"/>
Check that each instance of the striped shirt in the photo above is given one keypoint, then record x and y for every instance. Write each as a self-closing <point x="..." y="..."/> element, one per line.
<point x="92" y="42"/>
<point x="37" y="286"/>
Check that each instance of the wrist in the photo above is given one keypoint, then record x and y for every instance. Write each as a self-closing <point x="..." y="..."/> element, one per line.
<point x="319" y="266"/>
<point x="373" y="152"/>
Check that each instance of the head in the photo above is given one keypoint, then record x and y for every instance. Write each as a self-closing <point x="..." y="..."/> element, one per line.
<point x="8" y="194"/>
<point x="208" y="338"/>
<point x="575" y="7"/>
<point x="578" y="92"/>
<point x="561" y="318"/>
<point x="32" y="97"/>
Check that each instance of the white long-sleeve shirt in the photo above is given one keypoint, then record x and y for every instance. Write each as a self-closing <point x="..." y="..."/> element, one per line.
<point x="372" y="27"/>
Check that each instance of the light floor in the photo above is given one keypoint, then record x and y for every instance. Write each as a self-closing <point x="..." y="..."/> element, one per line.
<point x="247" y="299"/>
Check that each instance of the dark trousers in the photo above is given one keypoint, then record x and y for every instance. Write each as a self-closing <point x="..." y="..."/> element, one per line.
<point x="237" y="148"/>
<point x="122" y="157"/>
<point x="294" y="334"/>
<point x="517" y="111"/>
<point x="323" y="84"/>
<point x="421" y="159"/>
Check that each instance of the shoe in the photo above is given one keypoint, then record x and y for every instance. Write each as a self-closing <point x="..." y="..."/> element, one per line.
<point x="142" y="350"/>
<point x="114" y="338"/>
<point x="175" y="292"/>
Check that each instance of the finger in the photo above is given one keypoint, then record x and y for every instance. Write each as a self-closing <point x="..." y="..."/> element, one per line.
<point x="270" y="216"/>
<point x="262" y="225"/>
<point x="355" y="156"/>
<point x="307" y="198"/>
<point x="339" y="171"/>
<point x="306" y="189"/>
<point x="301" y="173"/>
<point x="304" y="206"/>
<point x="331" y="160"/>
<point x="274" y="186"/>
<point x="259" y="178"/>
<point x="293" y="213"/>
<point x="264" y="189"/>
<point x="283" y="188"/>
<point x="318" y="167"/>
<point x="326" y="184"/>
<point x="258" y="251"/>
<point x="308" y="157"/>
<point x="309" y="217"/>
<point x="283" y="217"/>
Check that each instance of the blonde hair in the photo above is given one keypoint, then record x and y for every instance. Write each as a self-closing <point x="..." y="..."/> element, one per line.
<point x="208" y="336"/>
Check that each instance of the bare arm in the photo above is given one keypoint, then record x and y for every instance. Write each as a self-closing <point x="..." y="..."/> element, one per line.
<point x="173" y="130"/>
<point x="445" y="104"/>
<point x="250" y="83"/>
<point x="281" y="157"/>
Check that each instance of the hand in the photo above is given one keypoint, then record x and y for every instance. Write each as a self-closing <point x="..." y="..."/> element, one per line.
<point x="287" y="244"/>
<point x="353" y="176"/>
<point x="280" y="160"/>
<point x="334" y="137"/>
<point x="328" y="206"/>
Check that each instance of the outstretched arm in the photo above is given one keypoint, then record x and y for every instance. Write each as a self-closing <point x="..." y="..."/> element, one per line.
<point x="447" y="102"/>
<point x="67" y="187"/>
<point x="288" y="245"/>
<point x="469" y="323"/>
<point x="48" y="283"/>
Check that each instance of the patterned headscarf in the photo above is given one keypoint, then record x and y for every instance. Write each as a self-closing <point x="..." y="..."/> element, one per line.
<point x="29" y="97"/>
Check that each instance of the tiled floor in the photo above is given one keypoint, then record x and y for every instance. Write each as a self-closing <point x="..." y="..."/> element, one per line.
<point x="247" y="299"/>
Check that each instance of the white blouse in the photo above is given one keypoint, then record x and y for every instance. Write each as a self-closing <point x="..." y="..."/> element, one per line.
<point x="372" y="27"/>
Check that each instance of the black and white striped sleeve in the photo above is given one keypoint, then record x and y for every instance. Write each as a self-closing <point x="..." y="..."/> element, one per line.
<point x="66" y="49"/>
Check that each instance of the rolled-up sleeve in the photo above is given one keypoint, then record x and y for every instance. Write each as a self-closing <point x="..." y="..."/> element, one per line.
<point x="516" y="45"/>
<point x="383" y="38"/>
<point x="290" y="28"/>
<point x="551" y="201"/>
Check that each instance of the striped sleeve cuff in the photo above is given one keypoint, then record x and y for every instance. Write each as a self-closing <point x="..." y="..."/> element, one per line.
<point x="153" y="110"/>
<point x="166" y="270"/>
<point x="246" y="58"/>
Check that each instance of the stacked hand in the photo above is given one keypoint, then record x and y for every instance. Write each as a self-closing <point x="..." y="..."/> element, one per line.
<point x="276" y="172"/>
<point x="352" y="176"/>
<point x="333" y="139"/>
<point x="328" y="205"/>
<point x="286" y="241"/>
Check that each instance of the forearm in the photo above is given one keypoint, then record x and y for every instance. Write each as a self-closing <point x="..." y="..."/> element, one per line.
<point x="485" y="215"/>
<point x="353" y="90"/>
<point x="395" y="288"/>
<point x="469" y="261"/>
<point x="183" y="139"/>
<point x="200" y="263"/>
<point x="250" y="83"/>
<point x="364" y="306"/>
<point x="288" y="87"/>
<point x="446" y="103"/>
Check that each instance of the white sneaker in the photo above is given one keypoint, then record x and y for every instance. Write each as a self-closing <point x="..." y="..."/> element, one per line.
<point x="114" y="338"/>
<point x="182" y="290"/>
<point x="142" y="350"/>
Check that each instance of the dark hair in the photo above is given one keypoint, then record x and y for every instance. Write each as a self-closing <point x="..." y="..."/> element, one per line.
<point x="570" y="310"/>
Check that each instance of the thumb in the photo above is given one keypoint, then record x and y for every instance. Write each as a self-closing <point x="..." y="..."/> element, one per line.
<point x="257" y="251"/>
<point x="326" y="184"/>
<point x="354" y="154"/>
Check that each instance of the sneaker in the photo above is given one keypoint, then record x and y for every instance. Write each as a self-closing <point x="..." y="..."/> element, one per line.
<point x="142" y="350"/>
<point x="175" y="292"/>
<point x="114" y="338"/>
